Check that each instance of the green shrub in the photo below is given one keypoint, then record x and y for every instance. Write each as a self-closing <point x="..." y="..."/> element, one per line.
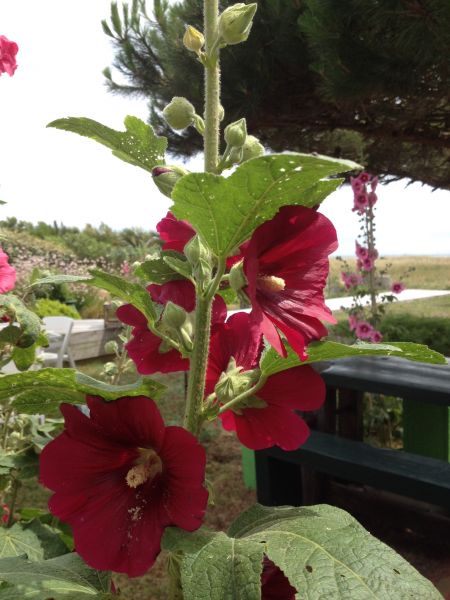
<point x="431" y="331"/>
<point x="53" y="308"/>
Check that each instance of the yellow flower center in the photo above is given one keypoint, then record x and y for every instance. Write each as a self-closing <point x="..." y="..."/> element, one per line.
<point x="147" y="467"/>
<point x="270" y="283"/>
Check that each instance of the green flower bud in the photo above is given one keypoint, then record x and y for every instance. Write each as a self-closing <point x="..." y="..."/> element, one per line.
<point x="252" y="148"/>
<point x="237" y="276"/>
<point x="236" y="133"/>
<point x="165" y="178"/>
<point x="173" y="315"/>
<point x="179" y="113"/>
<point x="235" y="156"/>
<point x="196" y="251"/>
<point x="111" y="347"/>
<point x="235" y="23"/>
<point x="193" y="39"/>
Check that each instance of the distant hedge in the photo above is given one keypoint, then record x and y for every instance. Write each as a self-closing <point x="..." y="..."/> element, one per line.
<point x="431" y="331"/>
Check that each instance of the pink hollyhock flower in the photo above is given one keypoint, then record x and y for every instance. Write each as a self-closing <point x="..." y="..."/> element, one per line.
<point x="8" y="51"/>
<point x="360" y="201"/>
<point x="352" y="322"/>
<point x="360" y="251"/>
<point x="146" y="349"/>
<point x="175" y="233"/>
<point x="364" y="177"/>
<point x="351" y="280"/>
<point x="397" y="287"/>
<point x="367" y="264"/>
<point x="7" y="273"/>
<point x="372" y="197"/>
<point x="374" y="183"/>
<point x="274" y="583"/>
<point x="363" y="330"/>
<point x="286" y="266"/>
<point x="270" y="418"/>
<point x="357" y="185"/>
<point x="119" y="478"/>
<point x="125" y="268"/>
<point x="376" y="336"/>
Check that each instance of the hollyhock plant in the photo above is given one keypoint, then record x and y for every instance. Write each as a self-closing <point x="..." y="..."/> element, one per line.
<point x="267" y="416"/>
<point x="286" y="267"/>
<point x="7" y="274"/>
<point x="147" y="350"/>
<point x="122" y="477"/>
<point x="8" y="51"/>
<point x="397" y="287"/>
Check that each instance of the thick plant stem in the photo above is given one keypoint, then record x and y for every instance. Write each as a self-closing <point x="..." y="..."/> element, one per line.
<point x="197" y="369"/>
<point x="212" y="87"/>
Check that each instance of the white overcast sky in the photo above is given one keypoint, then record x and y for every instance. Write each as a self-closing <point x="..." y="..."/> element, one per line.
<point x="48" y="175"/>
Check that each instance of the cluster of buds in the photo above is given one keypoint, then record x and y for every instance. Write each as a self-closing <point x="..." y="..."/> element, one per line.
<point x="363" y="329"/>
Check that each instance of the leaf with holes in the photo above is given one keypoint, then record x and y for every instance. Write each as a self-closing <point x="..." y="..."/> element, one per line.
<point x="215" y="566"/>
<point x="43" y="391"/>
<point x="272" y="362"/>
<point x="137" y="145"/>
<point x="326" y="553"/>
<point x="225" y="211"/>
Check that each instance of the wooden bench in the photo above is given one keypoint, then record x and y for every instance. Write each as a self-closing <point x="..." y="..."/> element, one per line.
<point x="336" y="450"/>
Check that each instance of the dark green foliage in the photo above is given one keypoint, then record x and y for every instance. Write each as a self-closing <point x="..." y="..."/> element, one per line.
<point x="358" y="79"/>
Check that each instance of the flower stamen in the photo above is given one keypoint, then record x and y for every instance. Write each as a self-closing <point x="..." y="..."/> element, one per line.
<point x="148" y="466"/>
<point x="271" y="283"/>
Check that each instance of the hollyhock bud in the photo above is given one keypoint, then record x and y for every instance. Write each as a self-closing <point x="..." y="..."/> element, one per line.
<point x="374" y="183"/>
<point x="361" y="252"/>
<point x="237" y="277"/>
<point x="196" y="251"/>
<point x="252" y="148"/>
<point x="236" y="133"/>
<point x="361" y="201"/>
<point x="357" y="185"/>
<point x="193" y="39"/>
<point x="165" y="178"/>
<point x="352" y="322"/>
<point x="173" y="315"/>
<point x="8" y="51"/>
<point x="372" y="198"/>
<point x="235" y="23"/>
<point x="376" y="337"/>
<point x="179" y="113"/>
<point x="397" y="287"/>
<point x="235" y="156"/>
<point x="364" y="177"/>
<point x="367" y="264"/>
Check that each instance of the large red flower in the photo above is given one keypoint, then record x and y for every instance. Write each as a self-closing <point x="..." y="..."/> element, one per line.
<point x="120" y="477"/>
<point x="8" y="51"/>
<point x="272" y="420"/>
<point x="286" y="266"/>
<point x="274" y="583"/>
<point x="7" y="274"/>
<point x="146" y="349"/>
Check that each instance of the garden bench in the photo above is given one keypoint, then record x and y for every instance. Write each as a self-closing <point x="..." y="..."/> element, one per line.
<point x="335" y="447"/>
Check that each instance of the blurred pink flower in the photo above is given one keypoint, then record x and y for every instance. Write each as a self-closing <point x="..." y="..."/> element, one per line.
<point x="352" y="322"/>
<point x="374" y="183"/>
<point x="351" y="280"/>
<point x="7" y="274"/>
<point x="361" y="252"/>
<point x="360" y="201"/>
<point x="364" y="330"/>
<point x="356" y="184"/>
<point x="372" y="198"/>
<point x="376" y="336"/>
<point x="367" y="264"/>
<point x="397" y="287"/>
<point x="8" y="51"/>
<point x="364" y="177"/>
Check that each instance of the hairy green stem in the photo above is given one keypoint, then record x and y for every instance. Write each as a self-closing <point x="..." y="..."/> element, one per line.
<point x="212" y="87"/>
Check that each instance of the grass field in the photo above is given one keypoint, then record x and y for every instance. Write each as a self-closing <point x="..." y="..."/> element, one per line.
<point x="430" y="272"/>
<point x="425" y="307"/>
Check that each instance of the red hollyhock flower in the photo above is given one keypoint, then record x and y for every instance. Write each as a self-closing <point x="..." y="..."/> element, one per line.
<point x="146" y="349"/>
<point x="274" y="583"/>
<point x="8" y="51"/>
<point x="7" y="273"/>
<point x="275" y="422"/>
<point x="120" y="477"/>
<point x="286" y="266"/>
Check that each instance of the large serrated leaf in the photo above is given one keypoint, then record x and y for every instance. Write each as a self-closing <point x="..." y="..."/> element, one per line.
<point x="326" y="553"/>
<point x="215" y="566"/>
<point x="272" y="362"/>
<point x="117" y="286"/>
<point x="17" y="541"/>
<point x="225" y="211"/>
<point x="137" y="145"/>
<point x="66" y="577"/>
<point x="43" y="391"/>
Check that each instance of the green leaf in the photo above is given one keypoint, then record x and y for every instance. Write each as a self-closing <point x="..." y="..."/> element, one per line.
<point x="158" y="270"/>
<point x="29" y="322"/>
<point x="137" y="145"/>
<point x="326" y="553"/>
<point x="16" y="541"/>
<point x="225" y="211"/>
<point x="117" y="286"/>
<point x="66" y="577"/>
<point x="49" y="538"/>
<point x="215" y="566"/>
<point x="42" y="391"/>
<point x="272" y="362"/>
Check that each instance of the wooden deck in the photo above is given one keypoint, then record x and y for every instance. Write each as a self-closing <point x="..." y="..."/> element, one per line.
<point x="89" y="337"/>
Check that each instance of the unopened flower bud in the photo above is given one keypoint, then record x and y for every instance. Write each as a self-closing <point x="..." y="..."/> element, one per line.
<point x="235" y="156"/>
<point x="252" y="148"/>
<point x="165" y="178"/>
<point x="221" y="112"/>
<point x="237" y="276"/>
<point x="196" y="251"/>
<point x="179" y="113"/>
<point x="235" y="23"/>
<point x="236" y="133"/>
<point x="174" y="315"/>
<point x="111" y="347"/>
<point x="193" y="39"/>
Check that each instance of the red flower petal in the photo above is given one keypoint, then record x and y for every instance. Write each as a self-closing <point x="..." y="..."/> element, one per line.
<point x="299" y="388"/>
<point x="175" y="233"/>
<point x="274" y="583"/>
<point x="144" y="352"/>
<point x="180" y="291"/>
<point x="130" y="315"/>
